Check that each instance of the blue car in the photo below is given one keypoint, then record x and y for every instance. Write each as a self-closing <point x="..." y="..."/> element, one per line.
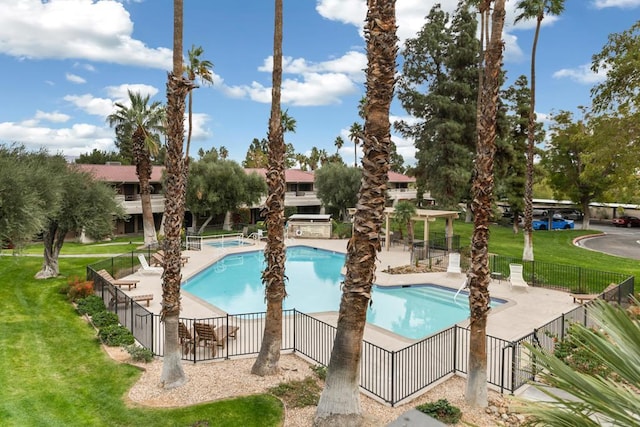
<point x="556" y="224"/>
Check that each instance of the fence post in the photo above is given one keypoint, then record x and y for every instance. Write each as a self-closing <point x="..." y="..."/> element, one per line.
<point x="295" y="320"/>
<point x="393" y="378"/>
<point x="513" y="368"/>
<point x="455" y="349"/>
<point x="562" y="328"/>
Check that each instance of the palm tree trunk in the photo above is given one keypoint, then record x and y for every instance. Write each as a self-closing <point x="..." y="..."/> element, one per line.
<point x="267" y="362"/>
<point x="143" y="170"/>
<point x="482" y="189"/>
<point x="339" y="403"/>
<point x="177" y="88"/>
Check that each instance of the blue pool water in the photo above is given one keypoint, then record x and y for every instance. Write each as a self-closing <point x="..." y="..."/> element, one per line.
<point x="234" y="285"/>
<point x="226" y="243"/>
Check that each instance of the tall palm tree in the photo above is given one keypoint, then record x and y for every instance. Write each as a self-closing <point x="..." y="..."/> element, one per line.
<point x="178" y="86"/>
<point x="355" y="134"/>
<point x="340" y="403"/>
<point x="533" y="9"/>
<point x="482" y="190"/>
<point x="195" y="69"/>
<point x="339" y="143"/>
<point x="267" y="362"/>
<point x="142" y="124"/>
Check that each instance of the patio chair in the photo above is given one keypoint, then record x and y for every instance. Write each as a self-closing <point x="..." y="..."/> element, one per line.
<point x="515" y="277"/>
<point x="582" y="298"/>
<point x="129" y="283"/>
<point x="212" y="336"/>
<point x="146" y="268"/>
<point x="186" y="339"/>
<point x="454" y="263"/>
<point x="117" y="298"/>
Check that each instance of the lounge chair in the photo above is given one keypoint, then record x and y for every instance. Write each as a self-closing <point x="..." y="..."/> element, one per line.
<point x="186" y="339"/>
<point x="582" y="298"/>
<point x="515" y="277"/>
<point x="129" y="283"/>
<point x="212" y="336"/>
<point x="454" y="263"/>
<point x="120" y="298"/>
<point x="146" y="268"/>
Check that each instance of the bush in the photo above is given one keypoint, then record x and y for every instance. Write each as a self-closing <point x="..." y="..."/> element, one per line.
<point x="320" y="371"/>
<point x="105" y="318"/>
<point x="442" y="411"/>
<point x="77" y="289"/>
<point x="342" y="230"/>
<point x="577" y="355"/>
<point x="139" y="354"/>
<point x="91" y="305"/>
<point x="115" y="336"/>
<point x="298" y="394"/>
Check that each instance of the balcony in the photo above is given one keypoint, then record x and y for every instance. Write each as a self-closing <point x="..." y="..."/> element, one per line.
<point x="132" y="206"/>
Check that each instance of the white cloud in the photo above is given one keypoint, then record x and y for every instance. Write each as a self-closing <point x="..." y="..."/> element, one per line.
<point x="73" y="141"/>
<point x="73" y="78"/>
<point x="601" y="4"/>
<point x="121" y="93"/>
<point x="84" y="29"/>
<point x="88" y="103"/>
<point x="581" y="74"/>
<point x="200" y="132"/>
<point x="54" y="117"/>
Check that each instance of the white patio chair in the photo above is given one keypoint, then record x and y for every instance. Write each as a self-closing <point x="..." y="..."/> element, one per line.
<point x="515" y="277"/>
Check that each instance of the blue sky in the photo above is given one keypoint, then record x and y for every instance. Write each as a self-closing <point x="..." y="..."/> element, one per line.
<point x="65" y="62"/>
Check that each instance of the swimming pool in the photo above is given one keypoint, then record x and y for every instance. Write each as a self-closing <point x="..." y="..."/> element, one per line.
<point x="234" y="285"/>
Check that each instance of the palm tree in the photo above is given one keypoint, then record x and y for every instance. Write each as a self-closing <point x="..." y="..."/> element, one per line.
<point x="267" y="362"/>
<point x="404" y="212"/>
<point x="355" y="134"/>
<point x="141" y="124"/>
<point x="339" y="403"/>
<point x="224" y="152"/>
<point x="339" y="143"/>
<point x="616" y="347"/>
<point x="196" y="68"/>
<point x="482" y="188"/>
<point x="533" y="9"/>
<point x="178" y="87"/>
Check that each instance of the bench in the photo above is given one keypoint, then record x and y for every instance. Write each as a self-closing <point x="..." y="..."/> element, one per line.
<point x="139" y="298"/>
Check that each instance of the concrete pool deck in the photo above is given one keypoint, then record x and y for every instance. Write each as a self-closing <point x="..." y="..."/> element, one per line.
<point x="524" y="310"/>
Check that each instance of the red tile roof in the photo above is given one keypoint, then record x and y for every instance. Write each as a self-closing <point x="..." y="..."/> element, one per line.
<point x="290" y="175"/>
<point x="119" y="173"/>
<point x="399" y="178"/>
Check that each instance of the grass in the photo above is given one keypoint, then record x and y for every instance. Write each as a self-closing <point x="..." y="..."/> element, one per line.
<point x="53" y="371"/>
<point x="51" y="360"/>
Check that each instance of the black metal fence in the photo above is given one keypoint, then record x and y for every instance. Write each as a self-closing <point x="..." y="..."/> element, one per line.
<point x="392" y="376"/>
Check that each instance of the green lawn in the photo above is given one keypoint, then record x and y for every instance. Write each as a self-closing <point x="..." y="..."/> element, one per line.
<point x="54" y="373"/>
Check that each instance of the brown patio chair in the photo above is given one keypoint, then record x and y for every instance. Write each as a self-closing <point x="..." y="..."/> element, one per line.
<point x="212" y="336"/>
<point x="129" y="283"/>
<point x="186" y="339"/>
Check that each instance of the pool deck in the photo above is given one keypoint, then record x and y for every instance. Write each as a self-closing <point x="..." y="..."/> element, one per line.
<point x="524" y="310"/>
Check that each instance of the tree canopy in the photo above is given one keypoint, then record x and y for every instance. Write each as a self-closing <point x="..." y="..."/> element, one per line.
<point x="337" y="186"/>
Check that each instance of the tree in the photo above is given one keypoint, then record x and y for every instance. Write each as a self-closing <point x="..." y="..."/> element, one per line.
<point x="582" y="159"/>
<point x="339" y="143"/>
<point x="256" y="156"/>
<point x="98" y="157"/>
<point x="83" y="205"/>
<point x="396" y="160"/>
<point x="533" y="9"/>
<point x="339" y="403"/>
<point x="355" y="134"/>
<point x="593" y="400"/>
<point x="490" y="78"/>
<point x="140" y="125"/>
<point x="439" y="86"/>
<point x="267" y="362"/>
<point x="218" y="186"/>
<point x="27" y="193"/>
<point x="337" y="186"/>
<point x="178" y="86"/>
<point x="201" y="69"/>
<point x="404" y="212"/>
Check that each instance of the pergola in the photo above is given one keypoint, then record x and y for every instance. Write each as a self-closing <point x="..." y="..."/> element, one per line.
<point x="426" y="215"/>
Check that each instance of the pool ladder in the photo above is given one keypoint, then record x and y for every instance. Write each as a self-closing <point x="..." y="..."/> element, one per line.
<point x="463" y="286"/>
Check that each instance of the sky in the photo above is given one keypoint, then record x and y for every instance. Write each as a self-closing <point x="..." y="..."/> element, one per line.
<point x="66" y="62"/>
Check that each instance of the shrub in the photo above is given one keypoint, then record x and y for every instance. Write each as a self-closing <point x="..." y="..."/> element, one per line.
<point x="139" y="354"/>
<point x="298" y="394"/>
<point x="105" y="318"/>
<point x="320" y="371"/>
<point x="78" y="289"/>
<point x="442" y="411"/>
<point x="577" y="355"/>
<point x="91" y="305"/>
<point x="342" y="230"/>
<point x="116" y="335"/>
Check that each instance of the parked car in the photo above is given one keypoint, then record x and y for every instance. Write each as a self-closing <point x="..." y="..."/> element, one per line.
<point x="572" y="214"/>
<point x="556" y="224"/>
<point x="626" y="221"/>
